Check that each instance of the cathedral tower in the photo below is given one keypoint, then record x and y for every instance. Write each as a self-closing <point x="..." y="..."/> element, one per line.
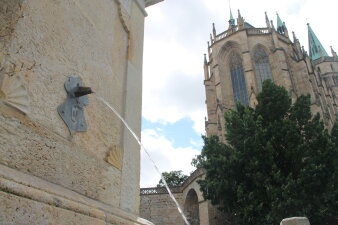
<point x="242" y="57"/>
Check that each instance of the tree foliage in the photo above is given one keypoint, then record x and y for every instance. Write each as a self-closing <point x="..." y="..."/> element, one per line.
<point x="173" y="178"/>
<point x="279" y="162"/>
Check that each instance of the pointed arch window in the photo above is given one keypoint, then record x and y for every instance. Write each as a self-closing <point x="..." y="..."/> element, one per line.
<point x="237" y="78"/>
<point x="262" y="65"/>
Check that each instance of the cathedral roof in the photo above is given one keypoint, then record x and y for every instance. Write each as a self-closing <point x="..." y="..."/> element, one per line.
<point x="279" y="22"/>
<point x="316" y="49"/>
<point x="280" y="25"/>
<point x="248" y="25"/>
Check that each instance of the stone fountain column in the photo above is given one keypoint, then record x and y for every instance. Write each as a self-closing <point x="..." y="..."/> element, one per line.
<point x="50" y="173"/>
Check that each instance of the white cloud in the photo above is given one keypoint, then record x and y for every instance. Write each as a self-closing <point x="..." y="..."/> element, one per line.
<point x="174" y="97"/>
<point x="165" y="156"/>
<point x="197" y="144"/>
<point x="173" y="65"/>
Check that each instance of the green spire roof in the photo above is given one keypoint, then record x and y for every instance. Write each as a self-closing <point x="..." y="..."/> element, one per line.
<point x="279" y="22"/>
<point x="315" y="47"/>
<point x="280" y="25"/>
<point x="231" y="17"/>
<point x="232" y="20"/>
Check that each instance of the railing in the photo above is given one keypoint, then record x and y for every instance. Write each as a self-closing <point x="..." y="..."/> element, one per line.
<point x="254" y="31"/>
<point x="325" y="59"/>
<point x="178" y="189"/>
<point x="225" y="34"/>
<point x="221" y="36"/>
<point x="250" y="31"/>
<point x="159" y="190"/>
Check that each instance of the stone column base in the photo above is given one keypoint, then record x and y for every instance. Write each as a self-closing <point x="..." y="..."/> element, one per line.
<point x="25" y="199"/>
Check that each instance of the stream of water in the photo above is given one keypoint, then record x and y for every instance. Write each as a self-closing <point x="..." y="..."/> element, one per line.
<point x="147" y="153"/>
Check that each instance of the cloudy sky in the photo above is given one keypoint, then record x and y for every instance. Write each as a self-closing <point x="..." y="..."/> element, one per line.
<point x="176" y="33"/>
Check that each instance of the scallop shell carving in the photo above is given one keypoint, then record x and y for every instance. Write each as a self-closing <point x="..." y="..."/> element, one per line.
<point x="114" y="157"/>
<point x="14" y="93"/>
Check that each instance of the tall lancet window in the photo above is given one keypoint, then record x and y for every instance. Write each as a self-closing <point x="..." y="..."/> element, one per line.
<point x="237" y="78"/>
<point x="263" y="70"/>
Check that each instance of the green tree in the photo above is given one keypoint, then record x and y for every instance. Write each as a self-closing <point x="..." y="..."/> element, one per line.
<point x="173" y="178"/>
<point x="279" y="161"/>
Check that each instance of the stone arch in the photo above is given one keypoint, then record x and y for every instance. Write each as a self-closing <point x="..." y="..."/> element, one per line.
<point x="191" y="207"/>
<point x="208" y="214"/>
<point x="226" y="49"/>
<point x="259" y="45"/>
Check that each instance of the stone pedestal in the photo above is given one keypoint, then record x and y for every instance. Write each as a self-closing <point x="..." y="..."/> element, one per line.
<point x="295" y="221"/>
<point x="30" y="200"/>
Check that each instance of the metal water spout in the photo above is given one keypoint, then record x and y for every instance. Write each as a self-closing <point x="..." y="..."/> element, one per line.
<point x="72" y="109"/>
<point x="82" y="91"/>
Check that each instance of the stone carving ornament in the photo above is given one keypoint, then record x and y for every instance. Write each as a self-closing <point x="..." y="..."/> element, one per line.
<point x="14" y="93"/>
<point x="114" y="156"/>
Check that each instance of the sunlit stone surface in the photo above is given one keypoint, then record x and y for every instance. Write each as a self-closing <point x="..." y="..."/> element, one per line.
<point x="47" y="175"/>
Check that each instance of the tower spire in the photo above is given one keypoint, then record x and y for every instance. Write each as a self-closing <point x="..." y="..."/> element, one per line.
<point x="272" y="26"/>
<point x="294" y="37"/>
<point x="334" y="54"/>
<point x="240" y="20"/>
<point x="298" y="48"/>
<point x="316" y="49"/>
<point x="280" y="25"/>
<point x="206" y="70"/>
<point x="286" y="32"/>
<point x="267" y="21"/>
<point x="239" y="14"/>
<point x="213" y="30"/>
<point x="231" y="20"/>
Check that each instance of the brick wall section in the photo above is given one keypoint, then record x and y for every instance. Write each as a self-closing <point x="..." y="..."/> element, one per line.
<point x="160" y="209"/>
<point x="157" y="206"/>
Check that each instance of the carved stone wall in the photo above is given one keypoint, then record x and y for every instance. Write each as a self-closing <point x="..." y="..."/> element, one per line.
<point x="160" y="209"/>
<point x="41" y="44"/>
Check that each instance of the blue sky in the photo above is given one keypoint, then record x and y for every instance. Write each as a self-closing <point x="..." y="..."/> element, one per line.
<point x="176" y="35"/>
<point x="180" y="133"/>
<point x="172" y="145"/>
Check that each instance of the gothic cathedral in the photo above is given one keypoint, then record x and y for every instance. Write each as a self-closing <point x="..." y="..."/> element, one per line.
<point x="243" y="56"/>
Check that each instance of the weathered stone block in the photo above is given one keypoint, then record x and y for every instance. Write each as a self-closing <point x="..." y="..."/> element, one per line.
<point x="41" y="44"/>
<point x="295" y="221"/>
